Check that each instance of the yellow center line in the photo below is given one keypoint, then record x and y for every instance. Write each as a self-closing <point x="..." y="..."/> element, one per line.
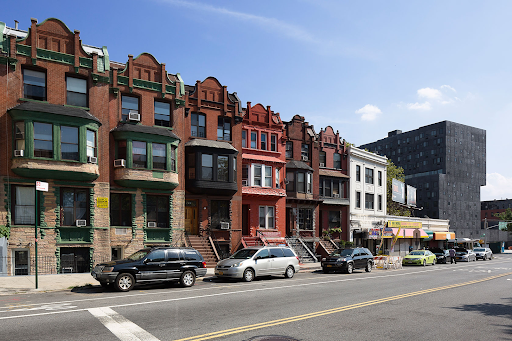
<point x="267" y="324"/>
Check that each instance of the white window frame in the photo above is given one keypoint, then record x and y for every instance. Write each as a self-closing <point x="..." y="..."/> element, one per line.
<point x="269" y="216"/>
<point x="277" y="177"/>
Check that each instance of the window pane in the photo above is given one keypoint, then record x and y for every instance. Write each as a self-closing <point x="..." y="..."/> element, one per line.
<point x="268" y="176"/>
<point x="69" y="143"/>
<point x="223" y="169"/>
<point x="129" y="104"/>
<point x="43" y="140"/>
<point x="262" y="216"/>
<point x="139" y="154"/>
<point x="207" y="167"/>
<point x="162" y="114"/>
<point x="159" y="157"/>
<point x="91" y="143"/>
<point x="34" y="85"/>
<point x="24" y="205"/>
<point x="254" y="137"/>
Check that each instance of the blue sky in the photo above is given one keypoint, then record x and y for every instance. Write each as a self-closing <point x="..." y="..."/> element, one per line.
<point x="363" y="67"/>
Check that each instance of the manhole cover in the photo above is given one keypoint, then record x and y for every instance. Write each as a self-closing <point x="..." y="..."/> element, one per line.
<point x="272" y="338"/>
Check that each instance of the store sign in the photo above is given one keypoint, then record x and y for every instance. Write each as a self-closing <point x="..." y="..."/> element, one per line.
<point x="411" y="196"/>
<point x="398" y="191"/>
<point x="387" y="232"/>
<point x="413" y="224"/>
<point x="374" y="234"/>
<point x="102" y="202"/>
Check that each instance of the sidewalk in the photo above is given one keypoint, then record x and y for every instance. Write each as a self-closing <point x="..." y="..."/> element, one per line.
<point x="11" y="285"/>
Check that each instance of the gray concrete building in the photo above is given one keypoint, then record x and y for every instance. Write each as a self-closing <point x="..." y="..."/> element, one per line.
<point x="446" y="162"/>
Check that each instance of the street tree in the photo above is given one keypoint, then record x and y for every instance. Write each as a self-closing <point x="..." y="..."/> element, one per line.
<point x="394" y="208"/>
<point x="506" y="216"/>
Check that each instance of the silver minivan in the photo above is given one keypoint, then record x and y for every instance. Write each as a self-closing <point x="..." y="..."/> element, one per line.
<point x="258" y="261"/>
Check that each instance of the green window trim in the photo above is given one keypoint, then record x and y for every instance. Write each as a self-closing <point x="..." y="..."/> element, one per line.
<point x="149" y="154"/>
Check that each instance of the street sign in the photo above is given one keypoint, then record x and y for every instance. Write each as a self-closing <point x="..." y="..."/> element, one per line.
<point x="41" y="186"/>
<point x="102" y="202"/>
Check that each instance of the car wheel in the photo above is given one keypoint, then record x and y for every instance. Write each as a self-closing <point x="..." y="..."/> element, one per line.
<point x="188" y="278"/>
<point x="433" y="262"/>
<point x="424" y="262"/>
<point x="290" y="271"/>
<point x="350" y="268"/>
<point x="369" y="266"/>
<point x="248" y="275"/>
<point x="124" y="282"/>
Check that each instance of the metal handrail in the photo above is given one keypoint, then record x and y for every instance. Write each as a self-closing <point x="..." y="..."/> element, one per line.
<point x="215" y="244"/>
<point x="307" y="248"/>
<point x="262" y="237"/>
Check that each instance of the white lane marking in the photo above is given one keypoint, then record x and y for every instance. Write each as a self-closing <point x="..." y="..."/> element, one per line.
<point x="47" y="306"/>
<point x="121" y="327"/>
<point x="236" y="292"/>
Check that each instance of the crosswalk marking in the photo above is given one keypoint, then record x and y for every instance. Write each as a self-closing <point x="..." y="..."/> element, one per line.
<point x="124" y="329"/>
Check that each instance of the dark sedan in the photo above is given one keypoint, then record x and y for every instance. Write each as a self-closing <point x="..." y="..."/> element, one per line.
<point x="348" y="260"/>
<point x="442" y="256"/>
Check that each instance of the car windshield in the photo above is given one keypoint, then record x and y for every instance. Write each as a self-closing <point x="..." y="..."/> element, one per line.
<point x="138" y="255"/>
<point x="417" y="253"/>
<point x="436" y="251"/>
<point x="342" y="253"/>
<point x="480" y="250"/>
<point x="244" y="254"/>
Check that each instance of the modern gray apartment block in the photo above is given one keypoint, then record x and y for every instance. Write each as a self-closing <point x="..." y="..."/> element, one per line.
<point x="445" y="161"/>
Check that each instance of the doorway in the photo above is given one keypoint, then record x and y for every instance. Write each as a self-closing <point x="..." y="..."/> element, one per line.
<point x="191" y="226"/>
<point x="74" y="260"/>
<point x="245" y="220"/>
<point x="21" y="262"/>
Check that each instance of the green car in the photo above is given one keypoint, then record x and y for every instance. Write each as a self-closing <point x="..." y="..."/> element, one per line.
<point x="419" y="257"/>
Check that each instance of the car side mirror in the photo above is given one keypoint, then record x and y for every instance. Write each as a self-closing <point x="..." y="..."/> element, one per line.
<point x="145" y="261"/>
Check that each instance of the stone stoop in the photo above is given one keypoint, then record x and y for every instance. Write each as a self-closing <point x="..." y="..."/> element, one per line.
<point x="202" y="244"/>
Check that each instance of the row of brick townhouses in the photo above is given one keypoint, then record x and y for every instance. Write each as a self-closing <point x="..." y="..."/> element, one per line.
<point x="135" y="158"/>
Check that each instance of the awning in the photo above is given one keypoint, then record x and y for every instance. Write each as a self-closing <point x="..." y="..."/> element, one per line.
<point x="430" y="234"/>
<point x="444" y="235"/>
<point x="332" y="173"/>
<point x="262" y="158"/>
<point x="413" y="233"/>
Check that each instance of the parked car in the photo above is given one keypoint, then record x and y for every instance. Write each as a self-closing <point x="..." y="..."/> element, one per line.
<point x="257" y="261"/>
<point x="442" y="256"/>
<point x="419" y="257"/>
<point x="348" y="260"/>
<point x="150" y="265"/>
<point x="483" y="253"/>
<point x="465" y="255"/>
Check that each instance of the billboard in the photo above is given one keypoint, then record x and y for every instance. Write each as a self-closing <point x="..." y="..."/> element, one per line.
<point x="411" y="196"/>
<point x="398" y="191"/>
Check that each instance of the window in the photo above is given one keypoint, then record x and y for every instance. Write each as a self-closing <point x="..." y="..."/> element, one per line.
<point x="245" y="174"/>
<point x="121" y="149"/>
<point x="244" y="138"/>
<point x="173" y="159"/>
<point x="305" y="219"/>
<point x="76" y="91"/>
<point x="334" y="219"/>
<point x="224" y="128"/>
<point x="23" y="205"/>
<point x="19" y="128"/>
<point x="91" y="143"/>
<point x="379" y="207"/>
<point x="358" y="173"/>
<point x="162" y="114"/>
<point x="290" y="181"/>
<point x="159" y="157"/>
<point x="198" y="125"/>
<point x="74" y="205"/>
<point x="222" y="168"/>
<point x="336" y="158"/>
<point x="69" y="143"/>
<point x="207" y="167"/>
<point x="309" y="182"/>
<point x="379" y="178"/>
<point x="277" y="178"/>
<point x="268" y="176"/>
<point x="219" y="213"/>
<point x="322" y="158"/>
<point x="368" y="176"/>
<point x="289" y="149"/>
<point x="157" y="207"/>
<point x="139" y="154"/>
<point x="129" y="105"/>
<point x="301" y="183"/>
<point x="266" y="217"/>
<point x="358" y="199"/>
<point x="254" y="140"/>
<point x="257" y="175"/>
<point x="34" y="85"/>
<point x="120" y="209"/>
<point x="263" y="141"/>
<point x="43" y="140"/>
<point x="305" y="151"/>
<point x="369" y="201"/>
<point x="273" y="142"/>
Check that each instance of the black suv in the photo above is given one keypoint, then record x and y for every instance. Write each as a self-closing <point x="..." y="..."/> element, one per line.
<point x="151" y="265"/>
<point x="348" y="260"/>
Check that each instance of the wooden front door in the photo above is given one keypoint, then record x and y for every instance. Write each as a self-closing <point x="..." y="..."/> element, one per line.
<point x="191" y="220"/>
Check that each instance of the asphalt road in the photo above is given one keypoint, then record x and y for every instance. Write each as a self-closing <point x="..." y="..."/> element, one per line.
<point x="466" y="301"/>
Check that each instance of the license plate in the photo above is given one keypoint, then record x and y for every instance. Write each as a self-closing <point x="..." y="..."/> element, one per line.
<point x="329" y="266"/>
<point x="221" y="273"/>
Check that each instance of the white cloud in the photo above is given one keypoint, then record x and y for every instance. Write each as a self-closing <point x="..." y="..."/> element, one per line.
<point x="448" y="87"/>
<point x="429" y="93"/>
<point x="498" y="187"/>
<point x="369" y="112"/>
<point x="419" y="106"/>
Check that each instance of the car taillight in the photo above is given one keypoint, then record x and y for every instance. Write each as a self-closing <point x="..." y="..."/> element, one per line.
<point x="297" y="258"/>
<point x="204" y="264"/>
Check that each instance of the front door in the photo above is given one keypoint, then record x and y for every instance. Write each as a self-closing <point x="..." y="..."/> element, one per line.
<point x="245" y="220"/>
<point x="191" y="219"/>
<point x="21" y="262"/>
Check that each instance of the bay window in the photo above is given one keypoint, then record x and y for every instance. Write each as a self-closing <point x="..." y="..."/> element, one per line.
<point x="222" y="168"/>
<point x="43" y="140"/>
<point x="69" y="143"/>
<point x="207" y="167"/>
<point x="139" y="154"/>
<point x="159" y="156"/>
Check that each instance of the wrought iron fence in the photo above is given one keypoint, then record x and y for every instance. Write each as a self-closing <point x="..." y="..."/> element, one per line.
<point x="47" y="265"/>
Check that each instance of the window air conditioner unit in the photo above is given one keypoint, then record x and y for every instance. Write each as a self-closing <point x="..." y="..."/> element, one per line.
<point x="92" y="159"/>
<point x="119" y="163"/>
<point x="245" y="183"/>
<point x="18" y="153"/>
<point x="336" y="195"/>
<point x="322" y="164"/>
<point x="304" y="158"/>
<point x="224" y="226"/>
<point x="134" y="116"/>
<point x="81" y="223"/>
<point x="151" y="224"/>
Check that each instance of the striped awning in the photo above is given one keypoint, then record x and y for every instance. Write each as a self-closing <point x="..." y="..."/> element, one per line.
<point x="444" y="235"/>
